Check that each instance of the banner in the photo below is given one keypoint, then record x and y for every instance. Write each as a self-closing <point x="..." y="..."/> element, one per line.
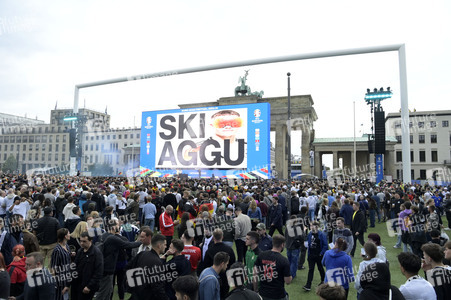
<point x="209" y="141"/>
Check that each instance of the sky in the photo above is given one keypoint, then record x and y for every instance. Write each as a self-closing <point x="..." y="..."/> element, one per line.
<point x="48" y="47"/>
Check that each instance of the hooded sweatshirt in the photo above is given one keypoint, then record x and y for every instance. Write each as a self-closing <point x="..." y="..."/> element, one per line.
<point x="376" y="285"/>
<point x="338" y="267"/>
<point x="19" y="274"/>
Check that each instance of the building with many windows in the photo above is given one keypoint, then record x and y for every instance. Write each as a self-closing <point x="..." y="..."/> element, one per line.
<point x="41" y="146"/>
<point x="430" y="142"/>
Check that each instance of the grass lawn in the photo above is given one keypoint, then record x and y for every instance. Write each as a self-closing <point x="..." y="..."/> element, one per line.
<point x="295" y="288"/>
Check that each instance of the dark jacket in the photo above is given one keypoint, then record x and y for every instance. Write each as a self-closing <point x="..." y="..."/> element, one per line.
<point x="112" y="245"/>
<point x="323" y="242"/>
<point x="378" y="286"/>
<point x="215" y="248"/>
<point x="208" y="262"/>
<point x="243" y="293"/>
<point x="265" y="242"/>
<point x="346" y="212"/>
<point x="89" y="266"/>
<point x="46" y="229"/>
<point x="60" y="202"/>
<point x="180" y="265"/>
<point x="45" y="291"/>
<point x="156" y="290"/>
<point x="359" y="223"/>
<point x="275" y="215"/>
<point x="72" y="223"/>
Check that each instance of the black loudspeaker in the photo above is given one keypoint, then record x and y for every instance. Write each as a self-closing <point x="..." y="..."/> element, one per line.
<point x="370" y="146"/>
<point x="379" y="132"/>
<point x="72" y="143"/>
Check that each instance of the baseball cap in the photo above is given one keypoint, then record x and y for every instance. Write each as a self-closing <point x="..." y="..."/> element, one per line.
<point x="261" y="226"/>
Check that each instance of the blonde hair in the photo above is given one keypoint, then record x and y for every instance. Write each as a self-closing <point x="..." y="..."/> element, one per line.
<point x="82" y="226"/>
<point x="253" y="205"/>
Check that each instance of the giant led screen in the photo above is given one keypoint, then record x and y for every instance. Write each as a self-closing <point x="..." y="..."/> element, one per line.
<point x="221" y="141"/>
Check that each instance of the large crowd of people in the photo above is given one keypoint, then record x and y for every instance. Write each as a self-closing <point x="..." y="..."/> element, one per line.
<point x="73" y="237"/>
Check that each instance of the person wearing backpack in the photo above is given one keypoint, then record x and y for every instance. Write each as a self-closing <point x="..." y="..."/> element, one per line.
<point x="294" y="240"/>
<point x="17" y="271"/>
<point x="110" y="244"/>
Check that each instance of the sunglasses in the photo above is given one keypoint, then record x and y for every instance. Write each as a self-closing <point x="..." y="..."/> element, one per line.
<point x="235" y="122"/>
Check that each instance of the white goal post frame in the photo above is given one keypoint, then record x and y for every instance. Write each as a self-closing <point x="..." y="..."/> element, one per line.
<point x="400" y="48"/>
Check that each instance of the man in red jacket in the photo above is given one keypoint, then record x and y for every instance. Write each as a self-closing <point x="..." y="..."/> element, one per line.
<point x="167" y="224"/>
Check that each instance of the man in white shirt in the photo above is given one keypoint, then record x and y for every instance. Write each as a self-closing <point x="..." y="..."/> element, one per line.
<point x="2" y="204"/>
<point x="416" y="287"/>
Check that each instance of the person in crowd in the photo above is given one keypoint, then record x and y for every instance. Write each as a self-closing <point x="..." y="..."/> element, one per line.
<point x="418" y="231"/>
<point x="265" y="242"/>
<point x="227" y="224"/>
<point x="112" y="244"/>
<point x="179" y="265"/>
<point x="381" y="251"/>
<point x="331" y="291"/>
<point x="346" y="212"/>
<point x="67" y="210"/>
<point x="89" y="266"/>
<point x="209" y="284"/>
<point x="376" y="284"/>
<point x="436" y="272"/>
<point x="73" y="220"/>
<point x="219" y="246"/>
<point x="237" y="283"/>
<point x="415" y="287"/>
<point x="294" y="240"/>
<point x="167" y="224"/>
<point x="5" y="280"/>
<point x="22" y="235"/>
<point x="275" y="216"/>
<point x="145" y="237"/>
<point x="404" y="220"/>
<point x="191" y="252"/>
<point x="337" y="258"/>
<point x="7" y="243"/>
<point x="17" y="271"/>
<point x="317" y="246"/>
<point x="186" y="288"/>
<point x="370" y="257"/>
<point x="342" y="232"/>
<point x="358" y="226"/>
<point x="254" y="213"/>
<point x="447" y="253"/>
<point x="46" y="232"/>
<point x="151" y="259"/>
<point x="252" y="239"/>
<point x="242" y="227"/>
<point x="273" y="287"/>
<point x="60" y="263"/>
<point x="38" y="273"/>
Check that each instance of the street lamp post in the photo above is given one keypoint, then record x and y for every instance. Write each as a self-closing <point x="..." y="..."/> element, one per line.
<point x="289" y="131"/>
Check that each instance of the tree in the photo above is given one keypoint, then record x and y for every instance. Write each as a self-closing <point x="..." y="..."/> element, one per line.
<point x="10" y="164"/>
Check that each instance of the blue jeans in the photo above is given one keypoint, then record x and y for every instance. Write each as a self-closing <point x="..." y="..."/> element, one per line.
<point x="293" y="258"/>
<point x="150" y="223"/>
<point x="372" y="217"/>
<point x="311" y="214"/>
